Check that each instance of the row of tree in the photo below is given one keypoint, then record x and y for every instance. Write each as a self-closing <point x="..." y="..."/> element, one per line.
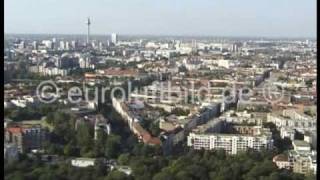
<point x="197" y="165"/>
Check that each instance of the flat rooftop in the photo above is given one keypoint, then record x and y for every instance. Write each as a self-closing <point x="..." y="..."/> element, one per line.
<point x="301" y="143"/>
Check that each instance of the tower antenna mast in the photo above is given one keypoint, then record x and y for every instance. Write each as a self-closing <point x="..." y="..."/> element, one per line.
<point x="88" y="33"/>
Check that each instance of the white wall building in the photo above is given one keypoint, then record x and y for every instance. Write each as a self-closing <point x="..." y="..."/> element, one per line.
<point x="294" y="121"/>
<point x="286" y="132"/>
<point x="10" y="152"/>
<point x="231" y="143"/>
<point x="282" y="161"/>
<point x="114" y="38"/>
<point x="83" y="162"/>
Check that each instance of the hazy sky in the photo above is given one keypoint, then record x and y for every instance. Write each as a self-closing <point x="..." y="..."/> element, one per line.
<point x="289" y="18"/>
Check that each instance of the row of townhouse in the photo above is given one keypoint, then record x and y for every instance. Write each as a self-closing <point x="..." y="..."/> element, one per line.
<point x="133" y="123"/>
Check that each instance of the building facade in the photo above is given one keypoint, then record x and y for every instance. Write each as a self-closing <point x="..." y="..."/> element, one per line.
<point x="25" y="137"/>
<point x="231" y="143"/>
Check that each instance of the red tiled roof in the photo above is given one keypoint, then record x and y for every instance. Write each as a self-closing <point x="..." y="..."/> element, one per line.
<point x="140" y="131"/>
<point x="120" y="72"/>
<point x="90" y="75"/>
<point x="145" y="135"/>
<point x="154" y="141"/>
<point x="14" y="130"/>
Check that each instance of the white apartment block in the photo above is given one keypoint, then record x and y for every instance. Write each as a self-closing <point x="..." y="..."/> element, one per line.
<point x="303" y="158"/>
<point x="295" y="121"/>
<point x="295" y="115"/>
<point x="231" y="143"/>
<point x="282" y="161"/>
<point x="286" y="132"/>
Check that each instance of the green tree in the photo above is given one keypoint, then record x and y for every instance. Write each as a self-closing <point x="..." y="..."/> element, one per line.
<point x="15" y="176"/>
<point x="84" y="137"/>
<point x="163" y="175"/>
<point x="183" y="175"/>
<point x="113" y="146"/>
<point x="100" y="143"/>
<point x="117" y="175"/>
<point x="309" y="83"/>
<point x="70" y="150"/>
<point x="123" y="159"/>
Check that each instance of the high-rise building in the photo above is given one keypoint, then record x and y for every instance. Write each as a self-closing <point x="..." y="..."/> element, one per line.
<point x="84" y="61"/>
<point x="22" y="45"/>
<point x="67" y="45"/>
<point x="93" y="44"/>
<point x="54" y="43"/>
<point x="74" y="44"/>
<point x="48" y="44"/>
<point x="35" y="45"/>
<point x="114" y="38"/>
<point x="100" y="45"/>
<point x="234" y="48"/>
<point x="307" y="42"/>
<point x="62" y="45"/>
<point x="108" y="43"/>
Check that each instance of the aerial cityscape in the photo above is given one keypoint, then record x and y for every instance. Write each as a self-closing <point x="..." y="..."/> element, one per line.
<point x="119" y="106"/>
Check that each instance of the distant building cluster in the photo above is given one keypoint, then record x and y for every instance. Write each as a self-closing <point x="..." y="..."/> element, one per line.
<point x="230" y="94"/>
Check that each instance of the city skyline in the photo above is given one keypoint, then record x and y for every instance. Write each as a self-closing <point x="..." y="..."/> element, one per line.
<point x="141" y="89"/>
<point x="240" y="19"/>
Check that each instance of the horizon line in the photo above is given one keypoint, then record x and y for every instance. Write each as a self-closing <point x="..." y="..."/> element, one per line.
<point x="173" y="35"/>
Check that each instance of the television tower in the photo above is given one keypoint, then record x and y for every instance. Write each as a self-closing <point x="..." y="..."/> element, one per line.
<point x="88" y="33"/>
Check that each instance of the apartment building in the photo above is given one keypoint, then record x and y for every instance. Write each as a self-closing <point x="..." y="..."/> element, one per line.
<point x="25" y="136"/>
<point x="282" y="161"/>
<point x="260" y="138"/>
<point x="293" y="120"/>
<point x="301" y="159"/>
<point x="286" y="132"/>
